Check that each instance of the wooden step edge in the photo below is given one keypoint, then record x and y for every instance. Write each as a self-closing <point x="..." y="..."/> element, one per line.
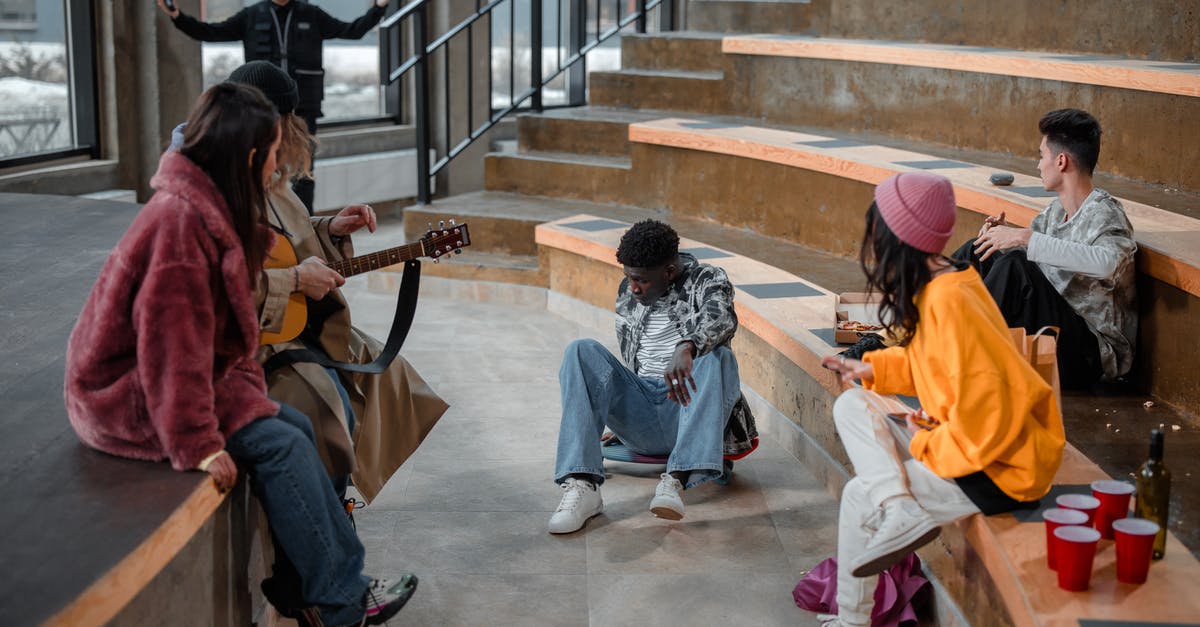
<point x="1136" y="74"/>
<point x="1157" y="231"/>
<point x="105" y="597"/>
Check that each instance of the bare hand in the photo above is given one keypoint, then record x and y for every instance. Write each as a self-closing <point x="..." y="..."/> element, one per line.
<point x="679" y="374"/>
<point x="162" y="5"/>
<point x="991" y="221"/>
<point x="1000" y="238"/>
<point x="317" y="279"/>
<point x="849" y="369"/>
<point x="223" y="471"/>
<point x="351" y="219"/>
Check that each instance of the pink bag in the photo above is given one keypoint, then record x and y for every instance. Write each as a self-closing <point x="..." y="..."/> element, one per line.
<point x="900" y="591"/>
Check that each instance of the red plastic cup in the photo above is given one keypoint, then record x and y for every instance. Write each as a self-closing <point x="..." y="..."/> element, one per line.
<point x="1135" y="540"/>
<point x="1057" y="517"/>
<point x="1076" y="550"/>
<point x="1082" y="502"/>
<point x="1114" y="504"/>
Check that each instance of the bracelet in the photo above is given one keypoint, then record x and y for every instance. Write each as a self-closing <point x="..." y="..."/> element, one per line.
<point x="295" y="279"/>
<point x="207" y="461"/>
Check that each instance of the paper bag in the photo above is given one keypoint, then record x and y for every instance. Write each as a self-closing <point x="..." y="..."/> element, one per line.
<point x="1041" y="351"/>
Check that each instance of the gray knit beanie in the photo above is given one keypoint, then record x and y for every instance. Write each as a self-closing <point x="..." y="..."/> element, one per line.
<point x="273" y="82"/>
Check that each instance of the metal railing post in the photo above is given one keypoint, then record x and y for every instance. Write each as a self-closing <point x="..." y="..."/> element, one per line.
<point x="577" y="75"/>
<point x="641" y="17"/>
<point x="535" y="53"/>
<point x="421" y="80"/>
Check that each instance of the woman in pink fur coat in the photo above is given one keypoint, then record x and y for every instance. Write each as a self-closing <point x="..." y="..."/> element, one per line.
<point x="161" y="365"/>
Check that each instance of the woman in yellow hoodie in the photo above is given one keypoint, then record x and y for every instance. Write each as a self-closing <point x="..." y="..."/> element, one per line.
<point x="988" y="437"/>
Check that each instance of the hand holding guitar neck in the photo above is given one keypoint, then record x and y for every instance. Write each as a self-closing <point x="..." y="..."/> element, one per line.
<point x="316" y="279"/>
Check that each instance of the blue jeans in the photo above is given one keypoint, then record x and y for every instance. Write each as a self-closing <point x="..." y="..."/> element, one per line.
<point x="305" y="516"/>
<point x="598" y="389"/>
<point x="340" y="484"/>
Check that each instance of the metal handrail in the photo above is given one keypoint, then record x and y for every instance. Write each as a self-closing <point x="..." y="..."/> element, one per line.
<point x="416" y="15"/>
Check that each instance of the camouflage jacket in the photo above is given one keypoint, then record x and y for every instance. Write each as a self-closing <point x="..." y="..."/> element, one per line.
<point x="1107" y="304"/>
<point x="700" y="305"/>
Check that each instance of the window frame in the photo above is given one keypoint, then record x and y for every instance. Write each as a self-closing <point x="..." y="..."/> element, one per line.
<point x="79" y="33"/>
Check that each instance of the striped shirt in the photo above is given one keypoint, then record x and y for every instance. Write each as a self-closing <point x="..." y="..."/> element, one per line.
<point x="659" y="339"/>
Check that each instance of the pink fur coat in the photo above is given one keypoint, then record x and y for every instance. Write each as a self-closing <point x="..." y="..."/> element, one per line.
<point x="161" y="364"/>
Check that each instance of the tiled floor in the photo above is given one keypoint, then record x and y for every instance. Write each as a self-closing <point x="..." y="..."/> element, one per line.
<point x="468" y="511"/>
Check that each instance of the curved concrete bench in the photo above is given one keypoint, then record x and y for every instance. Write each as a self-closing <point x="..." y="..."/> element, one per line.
<point x="84" y="533"/>
<point x="786" y="327"/>
<point x="108" y="533"/>
<point x="1169" y="243"/>
<point x="1166" y="77"/>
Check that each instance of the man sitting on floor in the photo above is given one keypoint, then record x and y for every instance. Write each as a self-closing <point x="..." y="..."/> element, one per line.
<point x="678" y="393"/>
<point x="1073" y="268"/>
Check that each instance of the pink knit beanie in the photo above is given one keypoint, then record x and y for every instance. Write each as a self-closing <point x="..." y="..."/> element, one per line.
<point x="919" y="208"/>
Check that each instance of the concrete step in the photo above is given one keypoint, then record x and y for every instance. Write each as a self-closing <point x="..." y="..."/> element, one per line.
<point x="473" y="265"/>
<point x="1154" y="29"/>
<point x="504" y="222"/>
<point x="740" y="16"/>
<point x="667" y="90"/>
<point x="1144" y="131"/>
<point x="560" y="174"/>
<point x="582" y="130"/>
<point x="691" y="51"/>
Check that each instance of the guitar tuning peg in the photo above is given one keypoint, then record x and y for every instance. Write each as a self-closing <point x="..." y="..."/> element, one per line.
<point x="451" y="222"/>
<point x="458" y="243"/>
<point x="430" y="225"/>
<point x="441" y="224"/>
<point x="458" y="251"/>
<point x="436" y="259"/>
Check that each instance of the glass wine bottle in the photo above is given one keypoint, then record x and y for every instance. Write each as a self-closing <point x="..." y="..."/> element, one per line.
<point x="1153" y="492"/>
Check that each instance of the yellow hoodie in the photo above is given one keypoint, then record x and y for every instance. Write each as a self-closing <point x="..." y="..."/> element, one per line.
<point x="997" y="414"/>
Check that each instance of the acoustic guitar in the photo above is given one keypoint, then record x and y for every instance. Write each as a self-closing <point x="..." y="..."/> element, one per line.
<point x="445" y="239"/>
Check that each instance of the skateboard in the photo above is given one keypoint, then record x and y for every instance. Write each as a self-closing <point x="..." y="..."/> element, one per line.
<point x="612" y="448"/>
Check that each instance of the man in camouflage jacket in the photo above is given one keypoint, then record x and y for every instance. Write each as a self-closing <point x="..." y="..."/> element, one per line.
<point x="676" y="394"/>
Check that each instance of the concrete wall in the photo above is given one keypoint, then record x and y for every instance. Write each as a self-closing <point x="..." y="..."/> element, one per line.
<point x="1150" y="29"/>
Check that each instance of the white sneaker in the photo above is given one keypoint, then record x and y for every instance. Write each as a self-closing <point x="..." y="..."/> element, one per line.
<point x="906" y="527"/>
<point x="581" y="500"/>
<point x="666" y="502"/>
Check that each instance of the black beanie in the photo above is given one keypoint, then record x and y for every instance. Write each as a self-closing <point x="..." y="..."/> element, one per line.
<point x="273" y="82"/>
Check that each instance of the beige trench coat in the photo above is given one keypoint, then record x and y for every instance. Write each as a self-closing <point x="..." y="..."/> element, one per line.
<point x="394" y="410"/>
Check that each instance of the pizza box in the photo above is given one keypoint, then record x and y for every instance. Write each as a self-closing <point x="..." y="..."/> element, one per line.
<point x="859" y="307"/>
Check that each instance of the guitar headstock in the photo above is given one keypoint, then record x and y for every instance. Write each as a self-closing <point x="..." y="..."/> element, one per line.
<point x="446" y="239"/>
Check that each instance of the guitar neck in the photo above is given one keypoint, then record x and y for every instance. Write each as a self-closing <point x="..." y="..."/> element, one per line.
<point x="377" y="260"/>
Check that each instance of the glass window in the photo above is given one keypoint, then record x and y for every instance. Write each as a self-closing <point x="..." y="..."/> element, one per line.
<point x="352" y="89"/>
<point x="45" y="91"/>
<point x="511" y="45"/>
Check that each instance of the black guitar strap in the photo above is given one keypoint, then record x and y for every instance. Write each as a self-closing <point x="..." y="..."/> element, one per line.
<point x="406" y="308"/>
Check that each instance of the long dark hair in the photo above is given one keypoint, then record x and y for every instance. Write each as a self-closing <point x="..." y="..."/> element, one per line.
<point x="227" y="123"/>
<point x="897" y="271"/>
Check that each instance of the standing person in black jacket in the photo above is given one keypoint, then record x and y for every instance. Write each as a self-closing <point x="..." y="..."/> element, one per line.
<point x="288" y="33"/>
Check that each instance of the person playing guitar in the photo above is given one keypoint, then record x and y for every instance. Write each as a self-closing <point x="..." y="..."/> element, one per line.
<point x="366" y="425"/>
